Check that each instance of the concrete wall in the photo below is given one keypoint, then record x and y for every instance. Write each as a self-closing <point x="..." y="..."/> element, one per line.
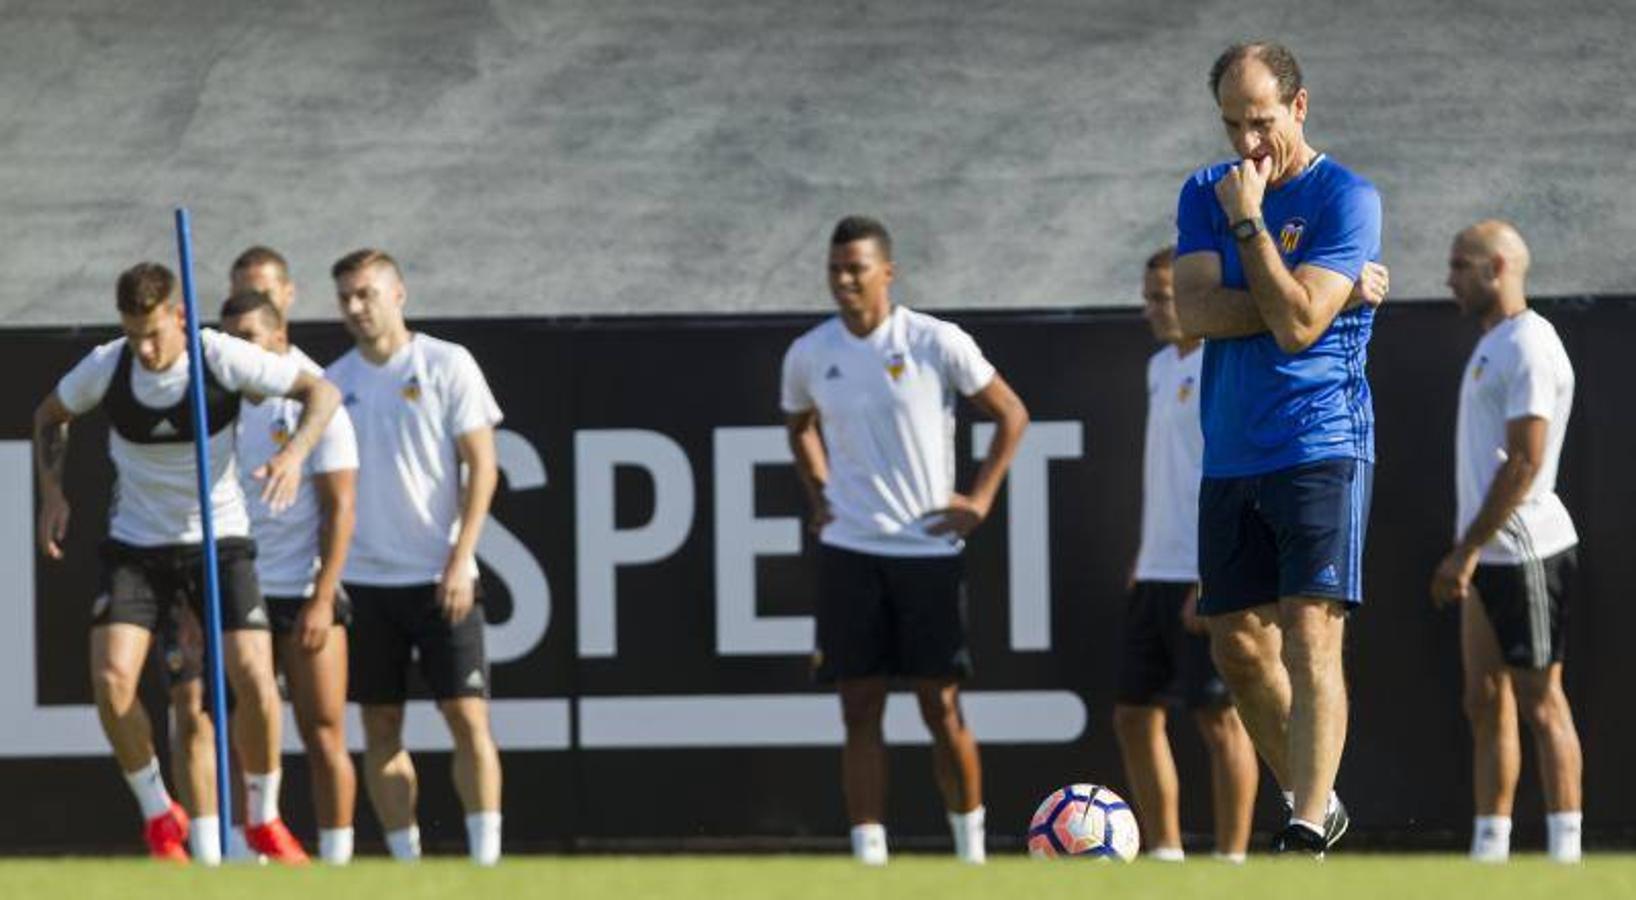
<point x="596" y="156"/>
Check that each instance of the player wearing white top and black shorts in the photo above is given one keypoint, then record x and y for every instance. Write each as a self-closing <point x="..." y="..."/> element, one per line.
<point x="422" y="411"/>
<point x="1166" y="649"/>
<point x="869" y="397"/>
<point x="1512" y="566"/>
<point x="151" y="557"/>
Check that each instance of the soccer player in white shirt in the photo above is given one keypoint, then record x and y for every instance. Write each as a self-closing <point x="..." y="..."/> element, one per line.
<point x="152" y="554"/>
<point x="1166" y="647"/>
<point x="869" y="397"/>
<point x="422" y="411"/>
<point x="1514" y="556"/>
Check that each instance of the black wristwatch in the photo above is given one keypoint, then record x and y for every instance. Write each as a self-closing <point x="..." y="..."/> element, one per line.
<point x="1246" y="229"/>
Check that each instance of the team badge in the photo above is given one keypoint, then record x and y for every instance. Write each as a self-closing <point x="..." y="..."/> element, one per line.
<point x="1477" y="370"/>
<point x="1185" y="390"/>
<point x="411" y="389"/>
<point x="280" y="433"/>
<point x="1289" y="237"/>
<point x="895" y="366"/>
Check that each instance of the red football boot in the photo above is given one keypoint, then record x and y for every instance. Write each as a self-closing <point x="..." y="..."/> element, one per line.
<point x="166" y="834"/>
<point x="275" y="842"/>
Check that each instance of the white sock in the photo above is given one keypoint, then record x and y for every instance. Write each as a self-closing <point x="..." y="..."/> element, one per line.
<point x="148" y="784"/>
<point x="261" y="797"/>
<point x="335" y="845"/>
<point x="404" y="843"/>
<point x="238" y="849"/>
<point x="1166" y="854"/>
<point x="1236" y="859"/>
<point x="483" y="837"/>
<point x="1562" y="833"/>
<point x="204" y="840"/>
<point x="1491" y="838"/>
<point x="969" y="843"/>
<point x="869" y="844"/>
<point x="1334" y="799"/>
<point x="1315" y="829"/>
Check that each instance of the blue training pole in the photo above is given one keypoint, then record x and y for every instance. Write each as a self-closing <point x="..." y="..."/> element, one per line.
<point x="213" y="596"/>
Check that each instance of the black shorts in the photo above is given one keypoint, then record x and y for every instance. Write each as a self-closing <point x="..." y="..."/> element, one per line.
<point x="181" y="664"/>
<point x="1297" y="532"/>
<point x="1160" y="659"/>
<point x="145" y="585"/>
<point x="1527" y="603"/>
<point x="392" y="625"/>
<point x="890" y="615"/>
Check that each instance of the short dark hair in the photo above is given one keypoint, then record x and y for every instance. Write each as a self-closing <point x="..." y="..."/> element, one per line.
<point x="862" y="228"/>
<point x="1276" y="57"/>
<point x="262" y="256"/>
<point x="244" y="303"/>
<point x="143" y="288"/>
<point x="359" y="260"/>
<point x="1162" y="258"/>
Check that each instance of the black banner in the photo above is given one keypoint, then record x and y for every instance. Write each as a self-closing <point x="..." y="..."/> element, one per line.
<point x="650" y="588"/>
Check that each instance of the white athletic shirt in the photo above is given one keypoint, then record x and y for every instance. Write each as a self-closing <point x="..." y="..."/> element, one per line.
<point x="1172" y="465"/>
<point x="287" y="542"/>
<point x="885" y="404"/>
<point x="1518" y="369"/>
<point x="407" y="413"/>
<point x="156" y="492"/>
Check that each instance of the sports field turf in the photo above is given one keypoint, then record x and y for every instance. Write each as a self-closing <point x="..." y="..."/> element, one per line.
<point x="834" y="878"/>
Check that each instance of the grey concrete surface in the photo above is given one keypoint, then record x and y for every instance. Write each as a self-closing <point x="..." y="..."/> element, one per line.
<point x="612" y="156"/>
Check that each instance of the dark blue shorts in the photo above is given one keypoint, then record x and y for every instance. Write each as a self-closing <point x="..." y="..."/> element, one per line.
<point x="1296" y="532"/>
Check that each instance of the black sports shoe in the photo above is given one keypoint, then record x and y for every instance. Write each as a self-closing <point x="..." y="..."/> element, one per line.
<point x="1335" y="823"/>
<point x="1300" y="839"/>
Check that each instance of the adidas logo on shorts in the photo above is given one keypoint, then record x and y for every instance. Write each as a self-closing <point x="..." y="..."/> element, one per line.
<point x="257" y="616"/>
<point x="475" y="679"/>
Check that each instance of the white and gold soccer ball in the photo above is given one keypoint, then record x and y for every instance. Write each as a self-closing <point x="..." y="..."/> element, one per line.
<point x="1084" y="820"/>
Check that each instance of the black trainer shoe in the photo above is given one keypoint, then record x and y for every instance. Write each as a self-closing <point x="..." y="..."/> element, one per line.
<point x="1335" y="823"/>
<point x="1299" y="839"/>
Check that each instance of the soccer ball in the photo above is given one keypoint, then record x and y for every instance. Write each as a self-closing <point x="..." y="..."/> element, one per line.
<point x="1085" y="820"/>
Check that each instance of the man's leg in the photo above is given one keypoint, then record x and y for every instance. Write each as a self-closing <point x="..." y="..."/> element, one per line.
<point x="118" y="652"/>
<point x="1233" y="776"/>
<point x="1544" y="707"/>
<point x="476" y="770"/>
<point x="1313" y="632"/>
<point x="193" y="767"/>
<point x="955" y="761"/>
<point x="1496" y="753"/>
<point x="1151" y="771"/>
<point x="317" y="683"/>
<point x="390" y="776"/>
<point x="1247" y="647"/>
<point x="863" y="764"/>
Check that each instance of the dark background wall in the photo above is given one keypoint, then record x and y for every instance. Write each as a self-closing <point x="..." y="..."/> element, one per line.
<point x="1406" y="772"/>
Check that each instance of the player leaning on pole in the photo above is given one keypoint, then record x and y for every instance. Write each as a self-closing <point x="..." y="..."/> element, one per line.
<point x="300" y="551"/>
<point x="152" y="556"/>
<point x="422" y="412"/>
<point x="1165" y="653"/>
<point x="870" y="397"/>
<point x="1513" y="562"/>
<point x="1273" y="268"/>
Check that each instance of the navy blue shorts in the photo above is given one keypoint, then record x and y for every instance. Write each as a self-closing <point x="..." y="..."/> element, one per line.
<point x="1296" y="532"/>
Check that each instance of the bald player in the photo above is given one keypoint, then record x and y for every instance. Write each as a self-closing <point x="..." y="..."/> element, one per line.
<point x="1513" y="560"/>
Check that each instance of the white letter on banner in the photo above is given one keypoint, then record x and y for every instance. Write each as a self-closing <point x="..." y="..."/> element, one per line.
<point x="1028" y="531"/>
<point x="741" y="537"/>
<point x="511" y="561"/>
<point x="601" y="546"/>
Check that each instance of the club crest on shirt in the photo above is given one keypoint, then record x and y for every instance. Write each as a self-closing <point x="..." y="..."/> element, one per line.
<point x="1289" y="237"/>
<point x="1185" y="390"/>
<point x="1477" y="370"/>
<point x="895" y="365"/>
<point x="280" y="432"/>
<point x="411" y="389"/>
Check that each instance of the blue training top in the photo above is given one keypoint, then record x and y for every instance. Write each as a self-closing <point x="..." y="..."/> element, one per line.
<point x="1264" y="409"/>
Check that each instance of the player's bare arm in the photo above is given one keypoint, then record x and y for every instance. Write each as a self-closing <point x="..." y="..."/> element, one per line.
<point x="1298" y="306"/>
<point x="966" y="511"/>
<point x="454" y="588"/>
<point x="811" y="464"/>
<point x="337" y="503"/>
<point x="281" y="475"/>
<point x="1525" y="440"/>
<point x="1207" y="310"/>
<point x="51" y="420"/>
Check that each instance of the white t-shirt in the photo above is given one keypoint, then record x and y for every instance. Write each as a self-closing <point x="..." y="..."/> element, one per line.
<point x="1518" y="369"/>
<point x="287" y="542"/>
<point x="1172" y="465"/>
<point x="156" y="494"/>
<point x="885" y="403"/>
<point x="407" y="413"/>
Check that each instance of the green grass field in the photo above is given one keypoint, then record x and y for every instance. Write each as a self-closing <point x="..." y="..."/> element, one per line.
<point x="833" y="878"/>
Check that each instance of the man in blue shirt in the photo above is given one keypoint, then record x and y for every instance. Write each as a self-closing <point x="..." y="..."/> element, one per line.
<point x="1277" y="266"/>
